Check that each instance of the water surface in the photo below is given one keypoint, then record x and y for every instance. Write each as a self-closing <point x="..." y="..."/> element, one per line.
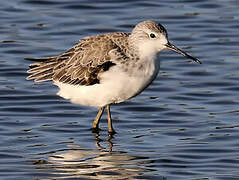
<point x="184" y="126"/>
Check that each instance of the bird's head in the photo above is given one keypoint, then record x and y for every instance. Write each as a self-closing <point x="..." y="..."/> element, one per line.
<point x="151" y="38"/>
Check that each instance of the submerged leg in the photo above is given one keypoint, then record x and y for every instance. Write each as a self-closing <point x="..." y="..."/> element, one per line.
<point x="95" y="125"/>
<point x="110" y="127"/>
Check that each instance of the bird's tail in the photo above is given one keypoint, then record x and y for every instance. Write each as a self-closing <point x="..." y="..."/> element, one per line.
<point x="42" y="69"/>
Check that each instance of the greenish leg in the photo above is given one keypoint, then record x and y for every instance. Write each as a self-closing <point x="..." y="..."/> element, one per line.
<point x="110" y="127"/>
<point x="95" y="125"/>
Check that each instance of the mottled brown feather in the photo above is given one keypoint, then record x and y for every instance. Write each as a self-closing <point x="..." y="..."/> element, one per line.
<point x="82" y="63"/>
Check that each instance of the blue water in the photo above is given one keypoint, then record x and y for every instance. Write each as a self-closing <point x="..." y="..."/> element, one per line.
<point x="184" y="126"/>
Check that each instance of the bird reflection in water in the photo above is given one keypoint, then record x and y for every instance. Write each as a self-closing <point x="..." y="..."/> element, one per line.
<point x="100" y="163"/>
<point x="99" y="140"/>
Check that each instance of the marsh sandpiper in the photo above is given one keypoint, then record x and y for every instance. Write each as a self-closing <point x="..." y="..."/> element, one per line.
<point x="106" y="69"/>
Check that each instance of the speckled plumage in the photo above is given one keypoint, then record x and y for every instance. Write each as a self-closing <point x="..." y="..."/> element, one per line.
<point x="82" y="63"/>
<point x="108" y="68"/>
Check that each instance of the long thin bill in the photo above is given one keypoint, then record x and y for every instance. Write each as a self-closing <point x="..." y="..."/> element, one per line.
<point x="174" y="48"/>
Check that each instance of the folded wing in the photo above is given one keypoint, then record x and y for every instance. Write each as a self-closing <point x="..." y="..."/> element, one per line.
<point x="82" y="64"/>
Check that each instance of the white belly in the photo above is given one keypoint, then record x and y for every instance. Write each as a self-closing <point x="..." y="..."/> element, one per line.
<point x="115" y="86"/>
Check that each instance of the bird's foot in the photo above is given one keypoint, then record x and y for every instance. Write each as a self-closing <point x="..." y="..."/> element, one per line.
<point x="95" y="130"/>
<point x="111" y="132"/>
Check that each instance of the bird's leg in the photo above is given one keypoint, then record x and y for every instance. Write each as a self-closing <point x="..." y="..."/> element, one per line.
<point x="95" y="125"/>
<point x="110" y="127"/>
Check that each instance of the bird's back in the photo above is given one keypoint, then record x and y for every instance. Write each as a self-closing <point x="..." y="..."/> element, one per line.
<point x="82" y="63"/>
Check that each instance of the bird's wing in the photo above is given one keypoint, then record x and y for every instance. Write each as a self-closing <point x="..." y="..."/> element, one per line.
<point x="82" y="63"/>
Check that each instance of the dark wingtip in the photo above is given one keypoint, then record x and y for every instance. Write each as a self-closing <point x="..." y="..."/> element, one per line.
<point x="30" y="59"/>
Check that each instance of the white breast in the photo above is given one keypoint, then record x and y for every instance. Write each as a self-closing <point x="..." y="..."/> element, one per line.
<point x="115" y="86"/>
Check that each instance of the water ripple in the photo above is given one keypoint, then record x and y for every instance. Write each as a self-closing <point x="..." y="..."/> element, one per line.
<point x="184" y="126"/>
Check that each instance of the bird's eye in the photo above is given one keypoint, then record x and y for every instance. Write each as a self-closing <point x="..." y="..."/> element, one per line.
<point x="152" y="35"/>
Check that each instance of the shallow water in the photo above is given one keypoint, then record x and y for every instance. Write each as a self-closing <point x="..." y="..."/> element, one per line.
<point x="184" y="126"/>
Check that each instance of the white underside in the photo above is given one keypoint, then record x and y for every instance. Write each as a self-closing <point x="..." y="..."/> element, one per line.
<point x="115" y="86"/>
